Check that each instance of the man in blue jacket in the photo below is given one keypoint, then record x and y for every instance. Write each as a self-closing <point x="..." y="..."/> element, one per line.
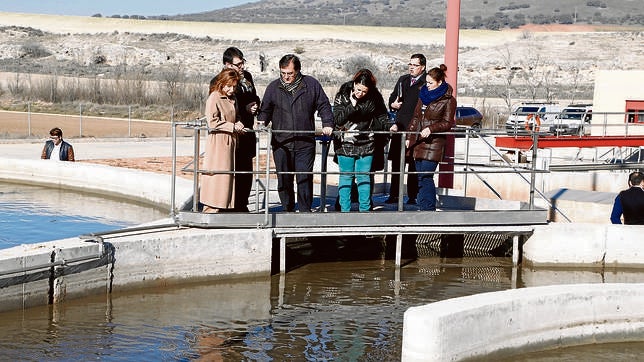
<point x="289" y="104"/>
<point x="630" y="203"/>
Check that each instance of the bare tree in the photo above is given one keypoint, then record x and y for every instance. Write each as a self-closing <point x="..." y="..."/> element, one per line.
<point x="574" y="77"/>
<point x="531" y="72"/>
<point x="509" y="74"/>
<point x="173" y="76"/>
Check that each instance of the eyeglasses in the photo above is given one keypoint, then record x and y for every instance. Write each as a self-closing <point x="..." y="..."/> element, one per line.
<point x="414" y="65"/>
<point x="240" y="64"/>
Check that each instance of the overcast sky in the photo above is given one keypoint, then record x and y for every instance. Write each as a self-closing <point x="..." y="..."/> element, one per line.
<point x="116" y="7"/>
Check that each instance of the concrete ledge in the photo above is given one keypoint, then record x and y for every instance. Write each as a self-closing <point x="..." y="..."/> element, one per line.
<point x="574" y="244"/>
<point x="148" y="187"/>
<point x="38" y="274"/>
<point x="500" y="324"/>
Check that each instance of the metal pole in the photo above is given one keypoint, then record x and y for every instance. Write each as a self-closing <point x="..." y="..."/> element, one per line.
<point x="195" y="176"/>
<point x="256" y="171"/>
<point x="398" y="249"/>
<point x="80" y="120"/>
<point x="452" y="27"/>
<point x="174" y="171"/>
<point x="283" y="254"/>
<point x="268" y="176"/>
<point x="535" y="146"/>
<point x="29" y="119"/>
<point x="467" y="159"/>
<point x="323" y="169"/>
<point x="401" y="173"/>
<point x="129" y="121"/>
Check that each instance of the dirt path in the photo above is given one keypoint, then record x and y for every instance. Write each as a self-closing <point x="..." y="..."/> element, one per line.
<point x="37" y="125"/>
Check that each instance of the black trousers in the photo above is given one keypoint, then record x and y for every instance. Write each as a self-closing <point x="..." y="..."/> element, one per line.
<point x="412" y="180"/>
<point x="243" y="183"/>
<point x="295" y="160"/>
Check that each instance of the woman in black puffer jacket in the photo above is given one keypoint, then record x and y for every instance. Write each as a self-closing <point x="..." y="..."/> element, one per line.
<point x="358" y="109"/>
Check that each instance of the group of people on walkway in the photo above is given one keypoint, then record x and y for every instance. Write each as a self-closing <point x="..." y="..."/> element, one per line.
<point x="421" y="103"/>
<point x="359" y="122"/>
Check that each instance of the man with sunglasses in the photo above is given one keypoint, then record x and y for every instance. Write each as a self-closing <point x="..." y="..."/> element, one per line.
<point x="402" y="102"/>
<point x="248" y="104"/>
<point x="56" y="149"/>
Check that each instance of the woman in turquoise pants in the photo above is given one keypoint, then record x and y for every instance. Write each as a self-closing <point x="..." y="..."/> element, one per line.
<point x="358" y="110"/>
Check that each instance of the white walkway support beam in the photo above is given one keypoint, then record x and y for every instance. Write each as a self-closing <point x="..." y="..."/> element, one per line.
<point x="501" y="324"/>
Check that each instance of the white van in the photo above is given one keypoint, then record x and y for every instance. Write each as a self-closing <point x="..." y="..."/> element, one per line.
<point x="574" y="119"/>
<point x="537" y="116"/>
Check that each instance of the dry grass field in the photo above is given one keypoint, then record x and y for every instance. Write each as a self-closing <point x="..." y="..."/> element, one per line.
<point x="565" y="57"/>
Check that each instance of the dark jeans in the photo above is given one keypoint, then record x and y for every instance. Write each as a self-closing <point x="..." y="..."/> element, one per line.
<point x="426" y="185"/>
<point x="295" y="160"/>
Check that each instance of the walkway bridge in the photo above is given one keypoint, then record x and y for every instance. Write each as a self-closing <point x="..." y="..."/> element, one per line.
<point x="471" y="220"/>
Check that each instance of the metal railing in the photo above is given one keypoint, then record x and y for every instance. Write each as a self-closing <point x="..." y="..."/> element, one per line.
<point x="265" y="183"/>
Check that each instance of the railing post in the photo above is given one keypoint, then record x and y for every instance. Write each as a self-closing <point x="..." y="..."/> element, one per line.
<point x="29" y="119"/>
<point x="268" y="177"/>
<point x="467" y="159"/>
<point x="174" y="172"/>
<point x="80" y="120"/>
<point x="323" y="170"/>
<point x="535" y="147"/>
<point x="195" y="175"/>
<point x="401" y="173"/>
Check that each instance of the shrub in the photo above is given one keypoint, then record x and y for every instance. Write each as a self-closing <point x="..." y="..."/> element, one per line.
<point x="33" y="50"/>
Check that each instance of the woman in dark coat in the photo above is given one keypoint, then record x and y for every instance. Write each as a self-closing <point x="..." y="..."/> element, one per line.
<point x="434" y="113"/>
<point x="358" y="109"/>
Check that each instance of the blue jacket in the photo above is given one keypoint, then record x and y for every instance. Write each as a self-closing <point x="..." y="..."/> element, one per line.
<point x="295" y="112"/>
<point x="630" y="203"/>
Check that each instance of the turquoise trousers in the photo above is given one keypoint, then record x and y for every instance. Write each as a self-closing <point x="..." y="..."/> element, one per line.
<point x="358" y="168"/>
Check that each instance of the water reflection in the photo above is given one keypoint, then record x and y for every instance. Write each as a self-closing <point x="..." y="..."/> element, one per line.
<point x="325" y="310"/>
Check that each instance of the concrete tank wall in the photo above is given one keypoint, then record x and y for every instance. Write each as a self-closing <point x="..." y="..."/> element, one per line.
<point x="147" y="187"/>
<point x="586" y="245"/>
<point x="498" y="324"/>
<point x="38" y="274"/>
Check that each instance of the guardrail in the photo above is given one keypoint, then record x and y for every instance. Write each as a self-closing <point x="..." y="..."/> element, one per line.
<point x="264" y="172"/>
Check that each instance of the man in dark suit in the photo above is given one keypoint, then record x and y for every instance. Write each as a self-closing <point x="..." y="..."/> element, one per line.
<point x="402" y="102"/>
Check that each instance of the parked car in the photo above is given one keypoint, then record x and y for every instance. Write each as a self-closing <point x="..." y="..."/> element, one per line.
<point x="527" y="115"/>
<point x="574" y="120"/>
<point x="468" y="117"/>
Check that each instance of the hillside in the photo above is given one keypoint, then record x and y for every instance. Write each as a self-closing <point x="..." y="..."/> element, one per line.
<point x="148" y="63"/>
<point x="475" y="14"/>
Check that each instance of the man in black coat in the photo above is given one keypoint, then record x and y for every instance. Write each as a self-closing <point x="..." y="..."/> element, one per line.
<point x="402" y="102"/>
<point x="247" y="104"/>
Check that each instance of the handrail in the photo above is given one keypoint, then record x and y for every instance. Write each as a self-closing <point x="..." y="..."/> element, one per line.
<point x="266" y="134"/>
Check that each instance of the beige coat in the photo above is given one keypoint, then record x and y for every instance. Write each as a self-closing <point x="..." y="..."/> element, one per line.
<point x="218" y="190"/>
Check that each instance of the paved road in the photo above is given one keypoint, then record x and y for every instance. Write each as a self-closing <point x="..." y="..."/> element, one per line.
<point x="88" y="149"/>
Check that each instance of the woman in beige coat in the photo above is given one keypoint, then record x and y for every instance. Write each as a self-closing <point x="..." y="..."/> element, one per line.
<point x="218" y="189"/>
